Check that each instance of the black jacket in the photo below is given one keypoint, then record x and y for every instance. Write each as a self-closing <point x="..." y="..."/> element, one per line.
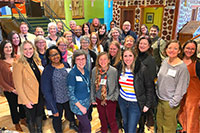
<point x="144" y="82"/>
<point x="93" y="57"/>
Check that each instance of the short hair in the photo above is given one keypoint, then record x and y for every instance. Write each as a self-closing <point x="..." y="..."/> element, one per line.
<point x="2" y="46"/>
<point x="155" y="27"/>
<point x="85" y="38"/>
<point x="61" y="39"/>
<point x="66" y="33"/>
<point x="77" y="53"/>
<point x="48" y="51"/>
<point x="23" y="23"/>
<point x="173" y="41"/>
<point x="113" y="21"/>
<point x="72" y="21"/>
<point x="127" y="22"/>
<point x="52" y="24"/>
<point x="38" y="38"/>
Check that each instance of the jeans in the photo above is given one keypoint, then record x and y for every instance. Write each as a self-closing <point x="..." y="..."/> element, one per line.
<point x="130" y="114"/>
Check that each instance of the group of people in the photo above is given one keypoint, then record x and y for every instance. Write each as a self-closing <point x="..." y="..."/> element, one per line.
<point x="131" y="79"/>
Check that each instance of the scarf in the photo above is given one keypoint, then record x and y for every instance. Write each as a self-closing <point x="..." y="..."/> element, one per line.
<point x="64" y="56"/>
<point x="100" y="73"/>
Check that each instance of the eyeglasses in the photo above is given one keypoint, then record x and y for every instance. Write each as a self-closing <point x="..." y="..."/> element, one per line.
<point x="80" y="59"/>
<point x="63" y="45"/>
<point x="68" y="36"/>
<point x="53" y="55"/>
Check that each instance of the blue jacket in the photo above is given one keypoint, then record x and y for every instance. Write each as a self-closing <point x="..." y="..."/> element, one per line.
<point x="79" y="89"/>
<point x="47" y="87"/>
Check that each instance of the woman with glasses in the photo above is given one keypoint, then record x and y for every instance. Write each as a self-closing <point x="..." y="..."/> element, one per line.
<point x="189" y="114"/>
<point x="78" y="83"/>
<point x="70" y="45"/>
<point x="54" y="88"/>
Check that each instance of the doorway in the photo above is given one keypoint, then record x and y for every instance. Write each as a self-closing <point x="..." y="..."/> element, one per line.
<point x="127" y="14"/>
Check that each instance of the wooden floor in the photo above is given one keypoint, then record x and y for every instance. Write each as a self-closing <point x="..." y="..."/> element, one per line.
<point x="5" y="121"/>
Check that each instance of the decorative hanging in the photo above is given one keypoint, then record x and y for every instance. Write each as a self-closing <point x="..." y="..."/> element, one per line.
<point x="145" y="2"/>
<point x="165" y="2"/>
<point x="92" y="3"/>
<point x="185" y="3"/>
<point x="109" y="3"/>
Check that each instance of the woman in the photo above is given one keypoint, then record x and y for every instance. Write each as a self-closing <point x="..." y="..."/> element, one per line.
<point x="115" y="54"/>
<point x="129" y="42"/>
<point x="143" y="31"/>
<point x="62" y="46"/>
<point x="114" y="35"/>
<point x="189" y="113"/>
<point x="145" y="57"/>
<point x="104" y="92"/>
<point x="40" y="43"/>
<point x="7" y="57"/>
<point x="173" y="80"/>
<point x="54" y="88"/>
<point x="103" y="37"/>
<point x="52" y="37"/>
<point x="94" y="44"/>
<point x="86" y="30"/>
<point x="15" y="39"/>
<point x="70" y="45"/>
<point x="135" y="90"/>
<point x="78" y="83"/>
<point x="26" y="76"/>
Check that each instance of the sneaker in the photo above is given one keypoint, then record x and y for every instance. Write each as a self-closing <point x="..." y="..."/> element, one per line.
<point x="73" y="126"/>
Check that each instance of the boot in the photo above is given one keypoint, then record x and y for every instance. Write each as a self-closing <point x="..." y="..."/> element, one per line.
<point x="18" y="127"/>
<point x="38" y="121"/>
<point x="31" y="127"/>
<point x="72" y="125"/>
<point x="23" y="122"/>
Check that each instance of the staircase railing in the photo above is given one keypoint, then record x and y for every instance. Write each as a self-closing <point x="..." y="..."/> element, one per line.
<point x="51" y="13"/>
<point x="21" y="17"/>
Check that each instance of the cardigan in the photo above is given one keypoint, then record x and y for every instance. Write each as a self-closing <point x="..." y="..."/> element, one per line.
<point x="6" y="79"/>
<point x="47" y="87"/>
<point x="112" y="84"/>
<point x="79" y="89"/>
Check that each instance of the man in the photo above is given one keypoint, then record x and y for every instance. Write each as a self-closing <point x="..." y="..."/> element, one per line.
<point x="72" y="25"/>
<point x="60" y="28"/>
<point x="39" y="31"/>
<point x="126" y="29"/>
<point x="24" y="34"/>
<point x="76" y="38"/>
<point x="158" y="45"/>
<point x="95" y="25"/>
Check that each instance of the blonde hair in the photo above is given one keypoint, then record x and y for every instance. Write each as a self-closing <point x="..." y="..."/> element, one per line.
<point x="37" y="39"/>
<point x="23" y="59"/>
<point x="129" y="37"/>
<point x="66" y="33"/>
<point x="61" y="39"/>
<point x="118" y="55"/>
<point x="97" y="43"/>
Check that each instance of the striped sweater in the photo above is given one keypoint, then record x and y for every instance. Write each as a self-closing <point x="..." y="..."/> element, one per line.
<point x="127" y="90"/>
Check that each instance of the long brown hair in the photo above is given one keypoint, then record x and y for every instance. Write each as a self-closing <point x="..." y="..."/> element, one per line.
<point x="118" y="55"/>
<point x="97" y="43"/>
<point x="194" y="56"/>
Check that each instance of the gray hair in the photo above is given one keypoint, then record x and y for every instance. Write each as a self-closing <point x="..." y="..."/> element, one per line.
<point x="85" y="38"/>
<point x="72" y="21"/>
<point x="77" y="53"/>
<point x="52" y="24"/>
<point x="113" y="29"/>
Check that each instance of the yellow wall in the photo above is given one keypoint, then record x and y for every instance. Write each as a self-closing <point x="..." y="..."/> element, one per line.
<point x="158" y="14"/>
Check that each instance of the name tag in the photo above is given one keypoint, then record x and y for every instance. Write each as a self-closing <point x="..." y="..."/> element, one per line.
<point x="41" y="68"/>
<point x="124" y="78"/>
<point x="78" y="78"/>
<point x="171" y="72"/>
<point x="103" y="82"/>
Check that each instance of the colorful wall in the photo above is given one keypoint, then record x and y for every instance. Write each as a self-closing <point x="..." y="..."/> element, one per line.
<point x="157" y="14"/>
<point x="89" y="12"/>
